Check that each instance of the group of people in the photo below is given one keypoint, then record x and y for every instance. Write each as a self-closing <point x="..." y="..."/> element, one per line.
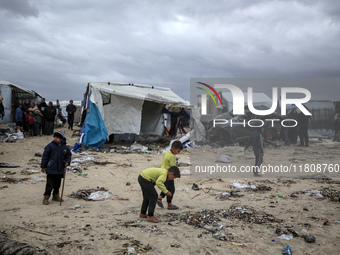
<point x="290" y="134"/>
<point x="40" y="119"/>
<point x="57" y="157"/>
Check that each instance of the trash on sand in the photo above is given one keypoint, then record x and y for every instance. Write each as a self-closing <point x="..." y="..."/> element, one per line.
<point x="186" y="172"/>
<point x="84" y="159"/>
<point x="238" y="185"/>
<point x="85" y="193"/>
<point x="312" y="192"/>
<point x="287" y="251"/>
<point x="223" y="159"/>
<point x="30" y="171"/>
<point x="310" y="239"/>
<point x="101" y="195"/>
<point x="4" y="165"/>
<point x="285" y="237"/>
<point x="138" y="147"/>
<point x="195" y="186"/>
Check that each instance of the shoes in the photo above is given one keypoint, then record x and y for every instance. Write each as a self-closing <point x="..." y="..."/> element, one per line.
<point x="57" y="198"/>
<point x="195" y="186"/>
<point x="143" y="215"/>
<point x="160" y="204"/>
<point x="257" y="175"/>
<point x="174" y="208"/>
<point x="45" y="201"/>
<point x="152" y="219"/>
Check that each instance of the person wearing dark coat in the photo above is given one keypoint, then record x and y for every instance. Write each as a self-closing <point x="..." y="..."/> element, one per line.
<point x="71" y="109"/>
<point x="50" y="113"/>
<point x="55" y="159"/>
<point x="337" y="129"/>
<point x="303" y="121"/>
<point x="2" y="109"/>
<point x="256" y="140"/>
<point x="293" y="131"/>
<point x="42" y="107"/>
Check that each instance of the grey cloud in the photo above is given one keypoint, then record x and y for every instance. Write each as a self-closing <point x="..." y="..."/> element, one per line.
<point x="165" y="43"/>
<point x="19" y="7"/>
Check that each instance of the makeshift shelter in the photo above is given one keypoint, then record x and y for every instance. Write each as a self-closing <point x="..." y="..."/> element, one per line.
<point x="13" y="95"/>
<point x="122" y="109"/>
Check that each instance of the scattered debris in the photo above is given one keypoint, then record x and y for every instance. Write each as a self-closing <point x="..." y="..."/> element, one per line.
<point x="99" y="193"/>
<point x="4" y="165"/>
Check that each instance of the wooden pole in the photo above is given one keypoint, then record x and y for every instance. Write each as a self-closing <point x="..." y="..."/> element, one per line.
<point x="62" y="190"/>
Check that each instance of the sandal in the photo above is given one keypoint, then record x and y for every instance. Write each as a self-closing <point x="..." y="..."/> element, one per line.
<point x="160" y="204"/>
<point x="174" y="208"/>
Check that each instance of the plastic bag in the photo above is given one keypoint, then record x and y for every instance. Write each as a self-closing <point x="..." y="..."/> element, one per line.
<point x="101" y="195"/>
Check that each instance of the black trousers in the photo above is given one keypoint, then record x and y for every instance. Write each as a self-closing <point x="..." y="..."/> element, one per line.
<point x="258" y="161"/>
<point x="303" y="134"/>
<point x="170" y="185"/>
<point x="70" y="119"/>
<point x="149" y="196"/>
<point x="53" y="183"/>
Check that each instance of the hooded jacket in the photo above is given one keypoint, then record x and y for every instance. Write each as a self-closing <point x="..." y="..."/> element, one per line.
<point x="55" y="156"/>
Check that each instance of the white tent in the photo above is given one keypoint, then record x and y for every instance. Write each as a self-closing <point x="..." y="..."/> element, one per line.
<point x="130" y="108"/>
<point x="13" y="95"/>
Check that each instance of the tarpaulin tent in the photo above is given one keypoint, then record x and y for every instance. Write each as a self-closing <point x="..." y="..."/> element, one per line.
<point x="113" y="108"/>
<point x="13" y="95"/>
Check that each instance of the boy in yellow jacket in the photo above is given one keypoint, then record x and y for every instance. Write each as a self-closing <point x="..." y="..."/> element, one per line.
<point x="169" y="160"/>
<point x="147" y="180"/>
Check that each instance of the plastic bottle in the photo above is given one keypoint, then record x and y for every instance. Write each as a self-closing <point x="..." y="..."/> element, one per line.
<point x="287" y="251"/>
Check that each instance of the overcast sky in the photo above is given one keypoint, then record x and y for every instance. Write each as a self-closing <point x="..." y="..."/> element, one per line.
<point x="57" y="47"/>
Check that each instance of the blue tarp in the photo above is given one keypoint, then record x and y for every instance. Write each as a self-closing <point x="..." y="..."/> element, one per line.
<point x="95" y="130"/>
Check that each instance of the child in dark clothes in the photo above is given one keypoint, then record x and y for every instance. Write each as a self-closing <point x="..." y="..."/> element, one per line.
<point x="147" y="180"/>
<point x="56" y="157"/>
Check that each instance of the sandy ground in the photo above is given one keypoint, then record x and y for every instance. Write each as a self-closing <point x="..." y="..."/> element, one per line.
<point x="249" y="217"/>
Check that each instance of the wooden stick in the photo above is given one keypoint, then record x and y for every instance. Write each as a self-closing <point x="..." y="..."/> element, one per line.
<point x="34" y="231"/>
<point x="196" y="195"/>
<point x="62" y="190"/>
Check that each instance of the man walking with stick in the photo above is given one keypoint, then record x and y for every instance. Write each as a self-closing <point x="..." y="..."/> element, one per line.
<point x="56" y="158"/>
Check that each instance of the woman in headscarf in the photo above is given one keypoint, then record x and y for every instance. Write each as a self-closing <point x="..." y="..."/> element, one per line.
<point x="50" y="113"/>
<point x="38" y="116"/>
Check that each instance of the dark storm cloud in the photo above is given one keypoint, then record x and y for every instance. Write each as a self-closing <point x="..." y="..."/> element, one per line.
<point x="20" y="7"/>
<point x="60" y="46"/>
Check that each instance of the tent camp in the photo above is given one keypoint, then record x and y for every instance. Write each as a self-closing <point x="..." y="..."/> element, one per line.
<point x="121" y="109"/>
<point x="13" y="95"/>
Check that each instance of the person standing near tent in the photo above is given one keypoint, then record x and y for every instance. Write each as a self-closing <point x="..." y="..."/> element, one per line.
<point x="50" y="114"/>
<point x="71" y="109"/>
<point x="303" y="121"/>
<point x="30" y="121"/>
<point x="169" y="160"/>
<point x="38" y="116"/>
<point x="2" y="109"/>
<point x="19" y="118"/>
<point x="25" y="107"/>
<point x="56" y="157"/>
<point x="42" y="107"/>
